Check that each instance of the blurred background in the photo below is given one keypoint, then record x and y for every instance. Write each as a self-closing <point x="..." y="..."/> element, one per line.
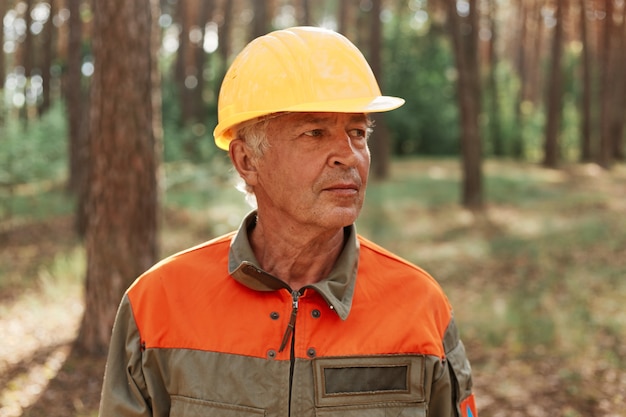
<point x="503" y="175"/>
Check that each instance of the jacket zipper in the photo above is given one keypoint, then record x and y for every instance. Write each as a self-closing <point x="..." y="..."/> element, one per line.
<point x="292" y="321"/>
<point x="291" y="331"/>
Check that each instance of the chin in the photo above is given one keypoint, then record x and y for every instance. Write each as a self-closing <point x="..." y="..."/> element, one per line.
<point x="341" y="217"/>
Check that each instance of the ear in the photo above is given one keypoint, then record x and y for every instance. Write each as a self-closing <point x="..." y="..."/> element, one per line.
<point x="243" y="161"/>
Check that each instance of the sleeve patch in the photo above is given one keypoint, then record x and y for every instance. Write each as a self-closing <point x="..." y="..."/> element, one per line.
<point x="468" y="407"/>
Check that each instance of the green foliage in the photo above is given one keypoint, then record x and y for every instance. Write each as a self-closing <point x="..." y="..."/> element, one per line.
<point x="192" y="143"/>
<point x="420" y="69"/>
<point x="34" y="151"/>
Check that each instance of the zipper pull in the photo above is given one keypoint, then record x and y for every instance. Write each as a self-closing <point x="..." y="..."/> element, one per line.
<point x="292" y="320"/>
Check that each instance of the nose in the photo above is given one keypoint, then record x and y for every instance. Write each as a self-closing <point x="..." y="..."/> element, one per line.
<point x="344" y="151"/>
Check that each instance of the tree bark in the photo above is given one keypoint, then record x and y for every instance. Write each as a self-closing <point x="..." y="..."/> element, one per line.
<point x="464" y="33"/>
<point x="605" y="159"/>
<point x="48" y="57"/>
<point x="380" y="143"/>
<point x="224" y="34"/>
<point x="77" y="116"/>
<point x="305" y="14"/>
<point x="261" y="20"/>
<point x="521" y="61"/>
<point x="73" y="93"/>
<point x="586" y="152"/>
<point x="555" y="93"/>
<point x="494" y="118"/>
<point x="618" y="70"/>
<point x="200" y="59"/>
<point x="3" y="75"/>
<point x="121" y="234"/>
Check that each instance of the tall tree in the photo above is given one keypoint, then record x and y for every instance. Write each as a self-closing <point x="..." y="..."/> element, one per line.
<point x="521" y="65"/>
<point x="224" y="35"/>
<point x="200" y="59"/>
<point x="184" y="15"/>
<point x="3" y="11"/>
<point x="342" y="17"/>
<point x="618" y="69"/>
<point x="607" y="86"/>
<point x="48" y="57"/>
<point x="27" y="45"/>
<point x="381" y="147"/>
<point x="121" y="234"/>
<point x="555" y="92"/>
<point x="464" y="32"/>
<point x="497" y="141"/>
<point x="72" y="90"/>
<point x="305" y="18"/>
<point x="262" y="18"/>
<point x="586" y="75"/>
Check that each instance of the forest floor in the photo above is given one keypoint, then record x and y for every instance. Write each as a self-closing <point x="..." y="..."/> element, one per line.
<point x="524" y="365"/>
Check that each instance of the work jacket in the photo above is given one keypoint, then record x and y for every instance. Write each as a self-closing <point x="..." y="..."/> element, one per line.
<point x="207" y="332"/>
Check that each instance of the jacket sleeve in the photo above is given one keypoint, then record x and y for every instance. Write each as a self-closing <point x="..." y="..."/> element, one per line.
<point x="124" y="392"/>
<point x="451" y="393"/>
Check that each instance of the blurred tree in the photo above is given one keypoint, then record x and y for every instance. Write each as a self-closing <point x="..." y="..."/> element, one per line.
<point x="611" y="93"/>
<point x="224" y="36"/>
<point x="204" y="16"/>
<point x="586" y="152"/>
<point x="305" y="18"/>
<point x="604" y="149"/>
<point x="464" y="32"/>
<point x="529" y="46"/>
<point x="497" y="141"/>
<point x="26" y="57"/>
<point x="48" y="57"/>
<point x="193" y="15"/>
<point x="262" y="20"/>
<point x="4" y="5"/>
<point x="555" y="91"/>
<point x="344" y="18"/>
<point x="380" y="144"/>
<point x="77" y="108"/>
<point x="184" y="16"/>
<point x="620" y="105"/>
<point x="121" y="234"/>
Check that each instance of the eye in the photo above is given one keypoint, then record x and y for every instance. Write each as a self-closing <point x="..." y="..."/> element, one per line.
<point x="357" y="133"/>
<point x="315" y="133"/>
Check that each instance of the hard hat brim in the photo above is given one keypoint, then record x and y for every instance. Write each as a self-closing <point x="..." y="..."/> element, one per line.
<point x="223" y="132"/>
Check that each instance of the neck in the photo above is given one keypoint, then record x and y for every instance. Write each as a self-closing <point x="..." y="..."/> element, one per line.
<point x="298" y="257"/>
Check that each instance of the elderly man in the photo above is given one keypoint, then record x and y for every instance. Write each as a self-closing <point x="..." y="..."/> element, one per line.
<point x="294" y="314"/>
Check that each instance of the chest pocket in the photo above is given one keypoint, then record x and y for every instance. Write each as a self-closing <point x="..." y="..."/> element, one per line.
<point x="372" y="386"/>
<point x="191" y="407"/>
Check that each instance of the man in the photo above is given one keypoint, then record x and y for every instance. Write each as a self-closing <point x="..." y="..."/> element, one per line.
<point x="294" y="314"/>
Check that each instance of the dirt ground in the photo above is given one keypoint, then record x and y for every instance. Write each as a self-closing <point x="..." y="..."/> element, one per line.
<point x="41" y="375"/>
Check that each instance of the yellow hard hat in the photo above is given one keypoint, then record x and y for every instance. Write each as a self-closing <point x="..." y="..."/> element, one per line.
<point x="300" y="69"/>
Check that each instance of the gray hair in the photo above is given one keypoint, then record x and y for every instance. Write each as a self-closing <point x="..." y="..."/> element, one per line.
<point x="254" y="135"/>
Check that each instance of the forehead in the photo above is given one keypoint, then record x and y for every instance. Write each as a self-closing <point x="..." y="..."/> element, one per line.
<point x="297" y="119"/>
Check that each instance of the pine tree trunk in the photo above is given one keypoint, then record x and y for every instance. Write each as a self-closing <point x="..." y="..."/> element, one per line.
<point x="380" y="143"/>
<point x="3" y="75"/>
<point x="586" y="152"/>
<point x="553" y="123"/>
<point x="121" y="234"/>
<point x="48" y="57"/>
<point x="464" y="32"/>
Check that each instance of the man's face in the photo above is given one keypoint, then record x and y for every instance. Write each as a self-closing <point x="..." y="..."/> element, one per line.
<point x="314" y="173"/>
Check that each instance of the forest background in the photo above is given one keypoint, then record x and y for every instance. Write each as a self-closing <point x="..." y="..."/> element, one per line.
<point x="503" y="175"/>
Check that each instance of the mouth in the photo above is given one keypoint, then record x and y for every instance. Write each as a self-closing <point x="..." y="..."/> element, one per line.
<point x="348" y="188"/>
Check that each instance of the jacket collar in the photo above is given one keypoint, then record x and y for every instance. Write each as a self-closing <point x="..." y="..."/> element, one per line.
<point x="337" y="289"/>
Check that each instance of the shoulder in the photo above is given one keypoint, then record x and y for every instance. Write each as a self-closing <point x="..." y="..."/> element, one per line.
<point x="380" y="257"/>
<point x="392" y="271"/>
<point x="207" y="259"/>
